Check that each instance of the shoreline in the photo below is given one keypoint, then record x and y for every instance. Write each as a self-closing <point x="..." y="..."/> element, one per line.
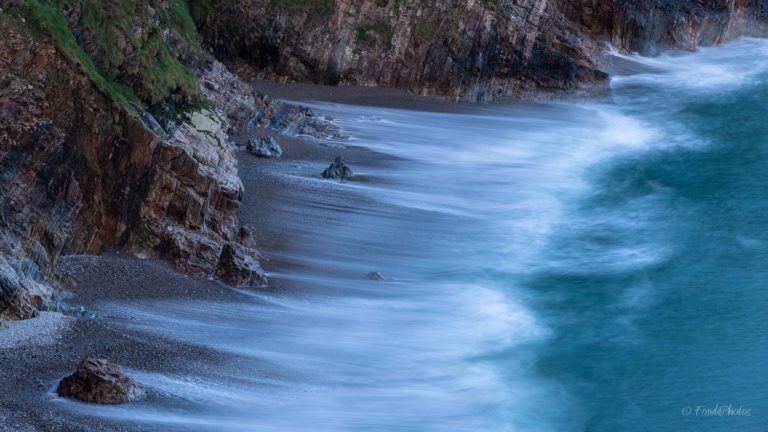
<point x="117" y="278"/>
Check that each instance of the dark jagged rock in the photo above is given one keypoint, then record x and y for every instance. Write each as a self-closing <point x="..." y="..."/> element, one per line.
<point x="294" y="120"/>
<point x="650" y="26"/>
<point x="9" y="289"/>
<point x="338" y="170"/>
<point x="264" y="147"/>
<point x="100" y="381"/>
<point x="239" y="266"/>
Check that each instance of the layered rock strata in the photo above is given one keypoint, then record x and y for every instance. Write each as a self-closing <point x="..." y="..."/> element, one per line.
<point x="466" y="50"/>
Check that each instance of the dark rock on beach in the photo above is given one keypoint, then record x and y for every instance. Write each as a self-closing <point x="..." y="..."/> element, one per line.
<point x="100" y="381"/>
<point x="264" y="147"/>
<point x="294" y="120"/>
<point x="239" y="266"/>
<point x="337" y="170"/>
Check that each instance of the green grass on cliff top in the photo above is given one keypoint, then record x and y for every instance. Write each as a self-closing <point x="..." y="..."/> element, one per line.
<point x="160" y="74"/>
<point x="46" y="18"/>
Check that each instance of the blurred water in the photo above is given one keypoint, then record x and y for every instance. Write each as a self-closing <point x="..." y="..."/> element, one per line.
<point x="585" y="266"/>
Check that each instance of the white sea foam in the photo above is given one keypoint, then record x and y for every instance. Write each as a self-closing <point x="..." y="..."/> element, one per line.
<point x="711" y="69"/>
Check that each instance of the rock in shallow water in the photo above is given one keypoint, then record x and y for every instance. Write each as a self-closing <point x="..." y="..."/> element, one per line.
<point x="264" y="147"/>
<point x="375" y="276"/>
<point x="337" y="170"/>
<point x="100" y="381"/>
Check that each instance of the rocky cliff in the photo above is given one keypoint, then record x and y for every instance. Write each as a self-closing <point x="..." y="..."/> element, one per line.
<point x="475" y="50"/>
<point x="81" y="172"/>
<point x="108" y="138"/>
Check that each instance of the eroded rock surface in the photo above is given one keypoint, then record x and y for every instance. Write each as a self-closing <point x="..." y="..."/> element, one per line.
<point x="100" y="381"/>
<point x="239" y="266"/>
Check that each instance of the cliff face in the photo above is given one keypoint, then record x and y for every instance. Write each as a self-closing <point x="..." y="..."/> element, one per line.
<point x="464" y="50"/>
<point x="80" y="173"/>
<point x="476" y="50"/>
<point x="649" y="26"/>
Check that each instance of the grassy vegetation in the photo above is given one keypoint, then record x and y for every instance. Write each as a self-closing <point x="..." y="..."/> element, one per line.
<point x="160" y="72"/>
<point x="111" y="25"/>
<point x="184" y="24"/>
<point x="46" y="18"/>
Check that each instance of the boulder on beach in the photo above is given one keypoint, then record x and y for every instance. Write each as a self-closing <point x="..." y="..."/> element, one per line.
<point x="337" y="170"/>
<point x="100" y="381"/>
<point x="264" y="147"/>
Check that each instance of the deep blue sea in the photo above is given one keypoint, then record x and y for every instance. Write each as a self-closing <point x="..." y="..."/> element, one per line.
<point x="594" y="265"/>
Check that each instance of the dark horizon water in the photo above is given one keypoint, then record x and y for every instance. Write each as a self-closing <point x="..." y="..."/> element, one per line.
<point x="580" y="266"/>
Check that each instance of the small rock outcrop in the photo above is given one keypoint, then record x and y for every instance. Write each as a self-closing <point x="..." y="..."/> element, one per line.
<point x="338" y="170"/>
<point x="100" y="381"/>
<point x="239" y="266"/>
<point x="375" y="276"/>
<point x="264" y="147"/>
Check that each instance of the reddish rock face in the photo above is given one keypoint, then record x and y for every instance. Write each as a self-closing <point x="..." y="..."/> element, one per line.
<point x="78" y="173"/>
<point x="100" y="381"/>
<point x="470" y="50"/>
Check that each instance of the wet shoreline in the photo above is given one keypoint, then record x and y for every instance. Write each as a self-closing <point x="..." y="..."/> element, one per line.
<point x="113" y="278"/>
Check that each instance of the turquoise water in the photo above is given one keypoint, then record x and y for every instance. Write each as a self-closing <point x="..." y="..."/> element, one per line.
<point x="596" y="265"/>
<point x="642" y="345"/>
